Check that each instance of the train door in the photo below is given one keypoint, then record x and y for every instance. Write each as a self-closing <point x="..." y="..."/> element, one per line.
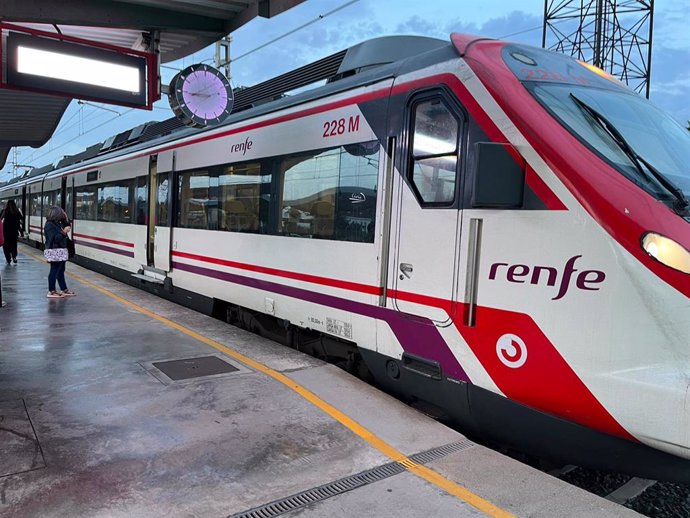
<point x="427" y="218"/>
<point x="24" y="208"/>
<point x="158" y="227"/>
<point x="68" y="190"/>
<point x="151" y="219"/>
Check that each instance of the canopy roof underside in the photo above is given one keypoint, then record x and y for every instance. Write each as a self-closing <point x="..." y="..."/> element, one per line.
<point x="184" y="26"/>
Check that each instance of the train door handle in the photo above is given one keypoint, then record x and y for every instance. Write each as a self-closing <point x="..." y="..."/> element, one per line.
<point x="406" y="269"/>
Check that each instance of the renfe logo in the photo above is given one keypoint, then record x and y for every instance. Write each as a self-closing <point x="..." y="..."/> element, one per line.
<point x="241" y="147"/>
<point x="511" y="350"/>
<point x="521" y="273"/>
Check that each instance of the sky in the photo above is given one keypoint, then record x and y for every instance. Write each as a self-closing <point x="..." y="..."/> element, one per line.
<point x="265" y="48"/>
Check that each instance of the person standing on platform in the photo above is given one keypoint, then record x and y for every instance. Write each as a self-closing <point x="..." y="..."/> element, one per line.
<point x="56" y="234"/>
<point x="12" y="226"/>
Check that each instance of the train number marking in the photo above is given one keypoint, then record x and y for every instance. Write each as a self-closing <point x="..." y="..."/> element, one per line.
<point x="340" y="126"/>
<point x="511" y="350"/>
<point x="338" y="327"/>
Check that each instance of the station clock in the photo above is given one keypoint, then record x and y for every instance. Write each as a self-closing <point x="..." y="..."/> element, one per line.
<point x="200" y="96"/>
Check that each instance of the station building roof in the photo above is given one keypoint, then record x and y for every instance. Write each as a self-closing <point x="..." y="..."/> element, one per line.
<point x="185" y="26"/>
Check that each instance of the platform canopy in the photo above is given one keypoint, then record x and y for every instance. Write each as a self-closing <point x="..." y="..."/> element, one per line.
<point x="184" y="27"/>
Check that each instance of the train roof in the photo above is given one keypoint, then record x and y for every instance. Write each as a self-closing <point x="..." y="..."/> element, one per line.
<point x="366" y="62"/>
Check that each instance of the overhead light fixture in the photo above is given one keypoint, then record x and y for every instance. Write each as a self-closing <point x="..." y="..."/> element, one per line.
<point x="77" y="68"/>
<point x="67" y="67"/>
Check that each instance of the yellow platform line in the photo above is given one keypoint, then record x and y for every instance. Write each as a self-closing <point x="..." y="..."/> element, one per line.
<point x="421" y="471"/>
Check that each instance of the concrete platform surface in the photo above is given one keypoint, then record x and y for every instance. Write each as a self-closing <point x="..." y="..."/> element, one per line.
<point x="89" y="427"/>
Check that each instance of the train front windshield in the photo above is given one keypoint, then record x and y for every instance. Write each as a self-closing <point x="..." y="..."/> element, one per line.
<point x="642" y="142"/>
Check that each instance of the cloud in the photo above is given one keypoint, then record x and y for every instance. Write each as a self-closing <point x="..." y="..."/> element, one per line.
<point x="318" y="40"/>
<point x="516" y="26"/>
<point x="670" y="81"/>
<point x="418" y="25"/>
<point x="672" y="24"/>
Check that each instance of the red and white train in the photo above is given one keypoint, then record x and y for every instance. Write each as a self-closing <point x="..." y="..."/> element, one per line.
<point x="494" y="229"/>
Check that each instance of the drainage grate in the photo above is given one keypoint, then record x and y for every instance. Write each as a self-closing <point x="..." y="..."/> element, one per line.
<point x="338" y="487"/>
<point x="194" y="367"/>
<point x="431" y="455"/>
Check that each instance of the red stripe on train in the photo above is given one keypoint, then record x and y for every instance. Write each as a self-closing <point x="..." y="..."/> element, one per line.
<point x="315" y="279"/>
<point x="534" y="373"/>
<point x="105" y="240"/>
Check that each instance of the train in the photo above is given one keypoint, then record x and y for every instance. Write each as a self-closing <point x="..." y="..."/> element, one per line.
<point x="493" y="230"/>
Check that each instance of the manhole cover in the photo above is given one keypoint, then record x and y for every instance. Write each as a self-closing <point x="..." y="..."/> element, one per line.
<point x="194" y="367"/>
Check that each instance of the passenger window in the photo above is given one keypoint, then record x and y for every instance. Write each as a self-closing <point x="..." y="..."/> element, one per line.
<point x="244" y="196"/>
<point x="198" y="203"/>
<point x="434" y="152"/>
<point x="114" y="203"/>
<point x="86" y="202"/>
<point x="330" y="194"/>
<point x="309" y="185"/>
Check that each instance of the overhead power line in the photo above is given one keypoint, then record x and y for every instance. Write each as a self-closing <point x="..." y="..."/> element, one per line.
<point x="311" y="22"/>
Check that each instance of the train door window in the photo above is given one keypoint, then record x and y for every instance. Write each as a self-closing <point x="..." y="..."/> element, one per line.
<point x="162" y="200"/>
<point x="141" y="200"/>
<point x="198" y="202"/>
<point x="434" y="152"/>
<point x="68" y="203"/>
<point x="244" y="196"/>
<point x="35" y="204"/>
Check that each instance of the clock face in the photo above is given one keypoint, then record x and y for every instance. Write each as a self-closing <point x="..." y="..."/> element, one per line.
<point x="201" y="96"/>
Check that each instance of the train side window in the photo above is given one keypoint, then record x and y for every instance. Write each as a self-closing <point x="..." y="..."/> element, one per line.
<point x="355" y="211"/>
<point x="86" y="202"/>
<point x="310" y="181"/>
<point x="244" y="196"/>
<point x="197" y="201"/>
<point x="114" y="202"/>
<point x="330" y="194"/>
<point x="434" y="152"/>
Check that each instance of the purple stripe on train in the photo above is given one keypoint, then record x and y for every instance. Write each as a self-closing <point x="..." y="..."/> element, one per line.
<point x="105" y="248"/>
<point x="417" y="335"/>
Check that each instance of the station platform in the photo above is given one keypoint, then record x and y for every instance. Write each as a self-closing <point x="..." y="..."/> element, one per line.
<point x="92" y="426"/>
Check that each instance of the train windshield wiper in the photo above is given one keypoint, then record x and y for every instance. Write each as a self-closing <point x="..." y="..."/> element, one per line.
<point x="680" y="204"/>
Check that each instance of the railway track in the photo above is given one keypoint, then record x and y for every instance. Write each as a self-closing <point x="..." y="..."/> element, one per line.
<point x="650" y="498"/>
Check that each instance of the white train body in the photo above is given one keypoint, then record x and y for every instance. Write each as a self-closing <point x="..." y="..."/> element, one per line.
<point x="545" y="325"/>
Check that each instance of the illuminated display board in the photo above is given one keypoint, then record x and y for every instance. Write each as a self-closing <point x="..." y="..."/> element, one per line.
<point x="76" y="70"/>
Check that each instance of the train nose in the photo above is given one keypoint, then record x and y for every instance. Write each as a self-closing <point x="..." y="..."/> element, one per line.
<point x="658" y="406"/>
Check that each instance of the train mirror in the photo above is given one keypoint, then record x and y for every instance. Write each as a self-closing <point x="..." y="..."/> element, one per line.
<point x="499" y="181"/>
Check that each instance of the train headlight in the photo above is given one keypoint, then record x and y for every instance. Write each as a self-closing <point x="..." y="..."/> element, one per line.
<point x="666" y="251"/>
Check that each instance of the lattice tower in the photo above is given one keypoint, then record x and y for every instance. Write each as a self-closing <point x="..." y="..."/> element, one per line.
<point x="613" y="35"/>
